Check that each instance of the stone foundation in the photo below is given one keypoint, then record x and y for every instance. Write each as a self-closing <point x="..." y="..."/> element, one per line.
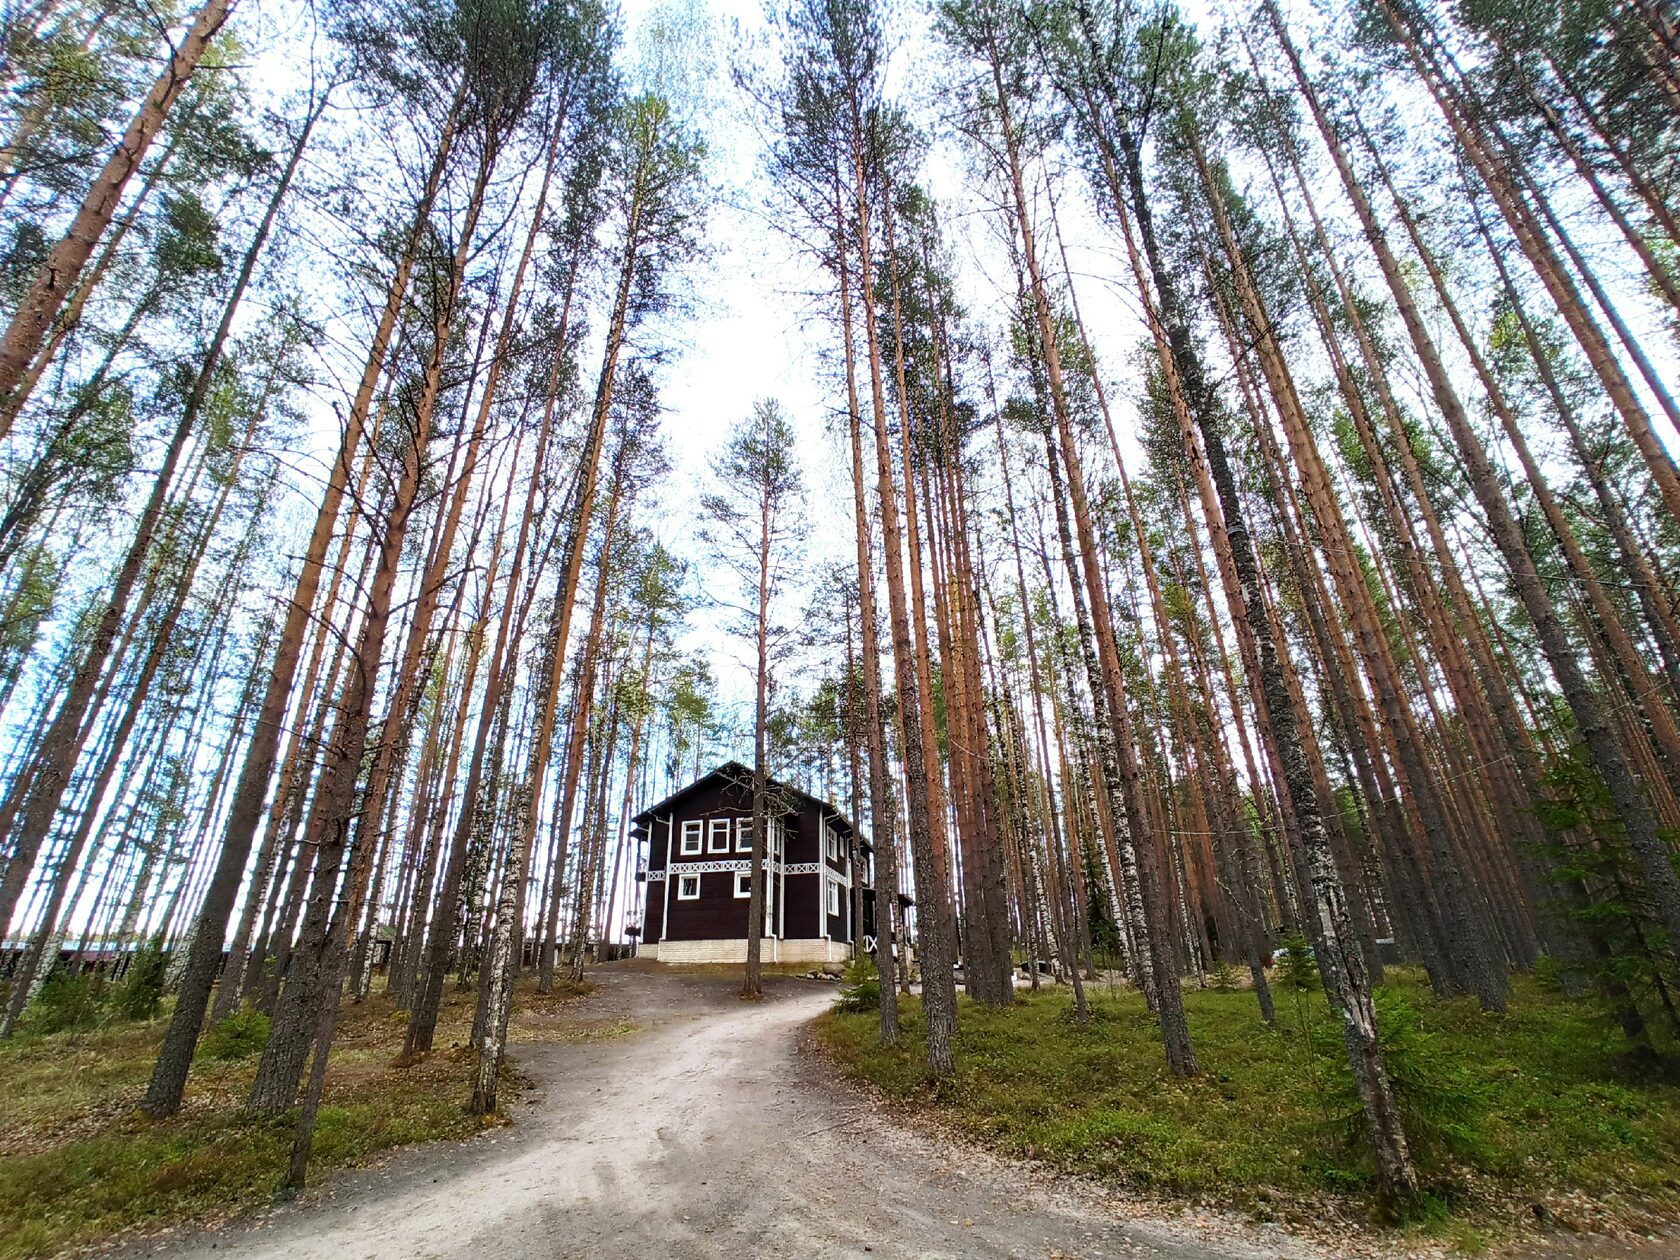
<point x="735" y="951"/>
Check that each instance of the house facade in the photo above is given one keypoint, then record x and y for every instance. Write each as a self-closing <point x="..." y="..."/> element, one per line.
<point x="695" y="868"/>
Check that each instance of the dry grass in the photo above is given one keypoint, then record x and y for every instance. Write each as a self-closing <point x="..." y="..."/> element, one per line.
<point x="79" y="1163"/>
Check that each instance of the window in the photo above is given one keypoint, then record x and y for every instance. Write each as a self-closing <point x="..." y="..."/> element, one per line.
<point x="834" y="898"/>
<point x="777" y="835"/>
<point x="743" y="885"/>
<point x="688" y="888"/>
<point x="832" y="842"/>
<point x="691" y="838"/>
<point x="718" y="841"/>
<point x="743" y="835"/>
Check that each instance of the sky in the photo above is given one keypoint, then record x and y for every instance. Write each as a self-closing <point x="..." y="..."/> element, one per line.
<point x="758" y="327"/>
<point x="754" y="324"/>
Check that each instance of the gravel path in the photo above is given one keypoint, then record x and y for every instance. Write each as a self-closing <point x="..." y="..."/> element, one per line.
<point x="707" y="1133"/>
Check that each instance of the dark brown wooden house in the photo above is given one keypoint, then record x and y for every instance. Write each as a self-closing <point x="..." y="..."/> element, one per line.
<point x="695" y="848"/>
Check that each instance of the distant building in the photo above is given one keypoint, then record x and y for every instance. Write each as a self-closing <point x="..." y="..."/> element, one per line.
<point x="696" y="846"/>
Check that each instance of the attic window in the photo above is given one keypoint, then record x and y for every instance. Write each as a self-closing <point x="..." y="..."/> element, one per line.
<point x="833" y="843"/>
<point x="691" y="841"/>
<point x="688" y="888"/>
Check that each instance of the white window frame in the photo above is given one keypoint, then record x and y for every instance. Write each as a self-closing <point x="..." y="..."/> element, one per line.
<point x="693" y="838"/>
<point x="831" y="844"/>
<point x="743" y="834"/>
<point x="777" y="837"/>
<point x="743" y="885"/>
<point x="717" y="828"/>
<point x="683" y="882"/>
<point x="832" y="902"/>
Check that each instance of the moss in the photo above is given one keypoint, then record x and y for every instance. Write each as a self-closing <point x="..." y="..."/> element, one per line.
<point x="1514" y="1108"/>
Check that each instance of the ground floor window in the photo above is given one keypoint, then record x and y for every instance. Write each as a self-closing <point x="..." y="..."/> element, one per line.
<point x="833" y="898"/>
<point x="688" y="888"/>
<point x="743" y="884"/>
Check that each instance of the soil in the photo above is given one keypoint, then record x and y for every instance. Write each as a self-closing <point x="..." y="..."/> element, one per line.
<point x="714" y="1130"/>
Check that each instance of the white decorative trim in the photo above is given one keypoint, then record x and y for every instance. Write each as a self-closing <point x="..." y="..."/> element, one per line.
<point x="804" y="868"/>
<point x="653" y="877"/>
<point x="714" y="865"/>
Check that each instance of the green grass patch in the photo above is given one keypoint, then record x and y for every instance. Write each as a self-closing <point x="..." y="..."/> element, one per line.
<point x="1533" y="1106"/>
<point x="79" y="1163"/>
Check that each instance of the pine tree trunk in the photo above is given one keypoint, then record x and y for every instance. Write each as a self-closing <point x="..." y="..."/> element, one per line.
<point x="447" y="921"/>
<point x="939" y="999"/>
<point x="883" y="812"/>
<point x="169" y="1075"/>
<point x="59" y="273"/>
<point x="319" y="956"/>
<point x="1609" y="759"/>
<point x="1341" y="966"/>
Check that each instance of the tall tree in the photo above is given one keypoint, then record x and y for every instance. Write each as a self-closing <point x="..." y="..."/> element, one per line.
<point x="755" y="524"/>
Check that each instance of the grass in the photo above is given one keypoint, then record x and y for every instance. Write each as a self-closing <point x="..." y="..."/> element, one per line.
<point x="1535" y="1106"/>
<point x="79" y="1163"/>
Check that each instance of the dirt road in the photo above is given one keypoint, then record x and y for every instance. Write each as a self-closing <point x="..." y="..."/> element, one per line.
<point x="706" y="1133"/>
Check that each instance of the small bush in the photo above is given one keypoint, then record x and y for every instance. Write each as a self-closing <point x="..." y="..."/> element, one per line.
<point x="68" y="1003"/>
<point x="239" y="1036"/>
<point x="1298" y="968"/>
<point x="862" y="991"/>
<point x="1442" y="1102"/>
<point x="1224" y="976"/>
<point x="140" y="992"/>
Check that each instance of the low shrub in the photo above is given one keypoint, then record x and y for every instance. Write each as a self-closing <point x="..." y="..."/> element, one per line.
<point x="1298" y="968"/>
<point x="1442" y="1102"/>
<point x="139" y="993"/>
<point x="862" y="988"/>
<point x="239" y="1036"/>
<point x="67" y="1003"/>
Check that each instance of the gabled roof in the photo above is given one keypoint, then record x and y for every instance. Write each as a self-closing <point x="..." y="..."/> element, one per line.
<point x="735" y="772"/>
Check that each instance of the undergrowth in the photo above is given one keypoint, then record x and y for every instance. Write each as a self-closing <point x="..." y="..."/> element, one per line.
<point x="1534" y="1106"/>
<point x="79" y="1163"/>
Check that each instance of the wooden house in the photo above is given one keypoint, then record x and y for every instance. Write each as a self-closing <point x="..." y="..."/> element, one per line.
<point x="695" y="848"/>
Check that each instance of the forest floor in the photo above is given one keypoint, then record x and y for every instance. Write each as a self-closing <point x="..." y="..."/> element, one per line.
<point x="717" y="1131"/>
<point x="658" y="1115"/>
<point x="1534" y="1133"/>
<point x="80" y="1165"/>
